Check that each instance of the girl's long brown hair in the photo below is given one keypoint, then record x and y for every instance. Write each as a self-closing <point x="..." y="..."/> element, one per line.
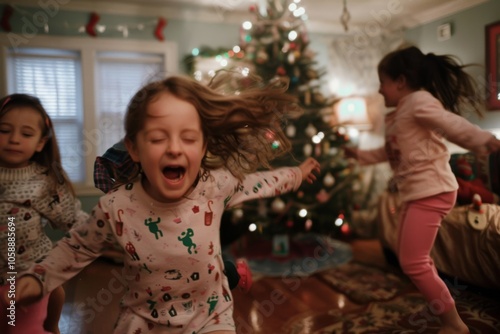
<point x="442" y="75"/>
<point x="242" y="119"/>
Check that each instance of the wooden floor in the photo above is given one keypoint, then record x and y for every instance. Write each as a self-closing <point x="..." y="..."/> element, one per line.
<point x="92" y="297"/>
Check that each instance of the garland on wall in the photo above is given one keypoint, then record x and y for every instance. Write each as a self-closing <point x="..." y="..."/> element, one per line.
<point x="34" y="18"/>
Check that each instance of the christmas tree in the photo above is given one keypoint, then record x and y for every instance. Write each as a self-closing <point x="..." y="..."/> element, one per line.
<point x="276" y="44"/>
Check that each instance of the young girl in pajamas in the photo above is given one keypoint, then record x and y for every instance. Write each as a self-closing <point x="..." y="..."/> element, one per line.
<point x="116" y="165"/>
<point x="195" y="147"/>
<point x="33" y="187"/>
<point x="429" y="91"/>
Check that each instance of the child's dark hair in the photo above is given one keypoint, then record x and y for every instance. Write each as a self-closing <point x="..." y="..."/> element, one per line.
<point x="49" y="157"/>
<point x="239" y="128"/>
<point x="441" y="75"/>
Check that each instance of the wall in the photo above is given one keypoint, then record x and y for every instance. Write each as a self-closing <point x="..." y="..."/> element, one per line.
<point x="61" y="22"/>
<point x="467" y="42"/>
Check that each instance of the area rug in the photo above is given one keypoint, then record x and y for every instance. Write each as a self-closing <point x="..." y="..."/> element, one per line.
<point x="308" y="254"/>
<point x="392" y="306"/>
<point x="363" y="284"/>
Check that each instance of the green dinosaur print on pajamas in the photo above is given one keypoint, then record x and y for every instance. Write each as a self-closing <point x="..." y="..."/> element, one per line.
<point x="153" y="226"/>
<point x="186" y="240"/>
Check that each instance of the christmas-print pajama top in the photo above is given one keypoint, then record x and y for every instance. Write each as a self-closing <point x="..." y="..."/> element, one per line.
<point x="173" y="270"/>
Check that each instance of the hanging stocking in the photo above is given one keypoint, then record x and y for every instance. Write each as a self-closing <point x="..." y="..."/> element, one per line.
<point x="159" y="28"/>
<point x="90" y="27"/>
<point x="7" y="13"/>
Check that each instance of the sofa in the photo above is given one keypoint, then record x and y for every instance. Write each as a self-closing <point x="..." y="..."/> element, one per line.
<point x="467" y="246"/>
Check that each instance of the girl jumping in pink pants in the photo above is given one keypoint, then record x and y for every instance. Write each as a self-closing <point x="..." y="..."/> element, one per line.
<point x="429" y="92"/>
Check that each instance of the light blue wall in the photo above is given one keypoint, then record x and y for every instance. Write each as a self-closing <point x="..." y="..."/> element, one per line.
<point x="186" y="34"/>
<point x="467" y="43"/>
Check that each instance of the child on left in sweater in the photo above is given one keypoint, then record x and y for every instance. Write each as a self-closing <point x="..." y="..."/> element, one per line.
<point x="33" y="189"/>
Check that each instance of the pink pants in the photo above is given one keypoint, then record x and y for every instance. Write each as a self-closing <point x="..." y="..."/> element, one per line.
<point x="29" y="319"/>
<point x="419" y="224"/>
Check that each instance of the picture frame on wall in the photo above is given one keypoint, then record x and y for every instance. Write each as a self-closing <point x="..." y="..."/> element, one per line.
<point x="444" y="32"/>
<point x="492" y="34"/>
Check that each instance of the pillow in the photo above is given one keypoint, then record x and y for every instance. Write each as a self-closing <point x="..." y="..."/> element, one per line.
<point x="479" y="167"/>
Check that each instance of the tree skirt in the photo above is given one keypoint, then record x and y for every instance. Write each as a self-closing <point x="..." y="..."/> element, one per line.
<point x="308" y="254"/>
<point x="391" y="306"/>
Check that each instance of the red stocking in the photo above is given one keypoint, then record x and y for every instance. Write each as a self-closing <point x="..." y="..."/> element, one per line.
<point x="7" y="13"/>
<point x="159" y="28"/>
<point x="90" y="27"/>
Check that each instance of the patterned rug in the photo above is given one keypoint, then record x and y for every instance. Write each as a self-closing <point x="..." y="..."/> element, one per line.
<point x="390" y="304"/>
<point x="308" y="254"/>
<point x="364" y="284"/>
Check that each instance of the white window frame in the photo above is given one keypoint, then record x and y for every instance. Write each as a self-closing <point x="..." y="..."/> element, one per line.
<point x="88" y="49"/>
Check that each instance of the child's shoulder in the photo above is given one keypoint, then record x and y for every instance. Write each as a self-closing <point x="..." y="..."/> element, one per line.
<point x="121" y="190"/>
<point x="219" y="178"/>
<point x="30" y="172"/>
<point x="419" y="96"/>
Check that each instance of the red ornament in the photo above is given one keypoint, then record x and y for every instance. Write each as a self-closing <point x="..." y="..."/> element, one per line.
<point x="159" y="28"/>
<point x="90" y="27"/>
<point x="346" y="229"/>
<point x="281" y="71"/>
<point x="252" y="8"/>
<point x="7" y="13"/>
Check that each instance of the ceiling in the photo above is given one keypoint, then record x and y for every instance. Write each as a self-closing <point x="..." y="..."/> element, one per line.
<point x="324" y="15"/>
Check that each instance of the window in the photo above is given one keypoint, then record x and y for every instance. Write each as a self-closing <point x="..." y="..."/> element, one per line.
<point x="52" y="76"/>
<point x="85" y="87"/>
<point x="120" y="75"/>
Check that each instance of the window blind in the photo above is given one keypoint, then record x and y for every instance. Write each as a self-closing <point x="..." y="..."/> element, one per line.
<point x="54" y="77"/>
<point x="120" y="76"/>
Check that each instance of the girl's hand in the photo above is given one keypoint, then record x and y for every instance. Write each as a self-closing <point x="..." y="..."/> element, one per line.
<point x="309" y="166"/>
<point x="28" y="290"/>
<point x="493" y="144"/>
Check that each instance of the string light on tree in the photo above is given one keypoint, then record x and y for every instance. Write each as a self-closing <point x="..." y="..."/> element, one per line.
<point x="252" y="227"/>
<point x="339" y="221"/>
<point x="276" y="43"/>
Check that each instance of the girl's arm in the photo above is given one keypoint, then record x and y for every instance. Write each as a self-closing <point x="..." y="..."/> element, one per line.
<point x="493" y="144"/>
<point x="28" y="290"/>
<point x="58" y="205"/>
<point x="82" y="245"/>
<point x="454" y="128"/>
<point x="370" y="157"/>
<point x="273" y="183"/>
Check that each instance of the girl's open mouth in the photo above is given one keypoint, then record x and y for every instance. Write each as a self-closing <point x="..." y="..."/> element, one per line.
<point x="174" y="173"/>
